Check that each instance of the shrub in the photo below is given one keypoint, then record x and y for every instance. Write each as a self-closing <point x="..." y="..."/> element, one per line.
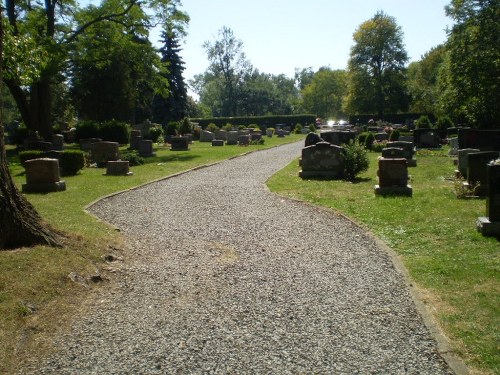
<point x="242" y="127"/>
<point x="185" y="126"/>
<point x="172" y="128"/>
<point x="298" y="129"/>
<point x="86" y="129"/>
<point x="423" y="122"/>
<point x="196" y="133"/>
<point x="257" y="142"/>
<point x="212" y="127"/>
<point x="312" y="127"/>
<point x="115" y="131"/>
<point x="228" y="127"/>
<point x="444" y="123"/>
<point x="132" y="157"/>
<point x="271" y="130"/>
<point x="394" y="135"/>
<point x="356" y="160"/>
<point x="20" y="134"/>
<point x="370" y="138"/>
<point x="154" y="134"/>
<point x="377" y="146"/>
<point x="71" y="162"/>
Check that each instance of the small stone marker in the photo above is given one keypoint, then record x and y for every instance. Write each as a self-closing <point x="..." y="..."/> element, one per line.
<point x="409" y="151"/>
<point x="232" y="137"/>
<point x="463" y="161"/>
<point x="118" y="168"/>
<point x="206" y="136"/>
<point x="490" y="224"/>
<point x="57" y="142"/>
<point x="42" y="176"/>
<point x="281" y="133"/>
<point x="393" y="177"/>
<point x="312" y="139"/>
<point x="453" y="142"/>
<point x="102" y="152"/>
<point x="146" y="148"/>
<point x="379" y="137"/>
<point x="218" y="142"/>
<point x="256" y="136"/>
<point x="179" y="144"/>
<point x="135" y="139"/>
<point x="269" y="132"/>
<point x="244" y="140"/>
<point x="322" y="160"/>
<point x="221" y="134"/>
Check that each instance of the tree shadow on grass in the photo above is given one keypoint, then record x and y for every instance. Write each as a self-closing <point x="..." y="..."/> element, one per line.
<point x="174" y="156"/>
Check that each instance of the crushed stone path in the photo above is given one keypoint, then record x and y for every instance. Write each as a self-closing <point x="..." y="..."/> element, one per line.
<point x="224" y="277"/>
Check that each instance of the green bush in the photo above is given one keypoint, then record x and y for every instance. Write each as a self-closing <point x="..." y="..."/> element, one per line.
<point x="154" y="134"/>
<point x="86" y="129"/>
<point x="71" y="162"/>
<point x="423" y="122"/>
<point x="228" y="127"/>
<point x="377" y="146"/>
<point x="172" y="128"/>
<point x="242" y="127"/>
<point x="394" y="136"/>
<point x="356" y="160"/>
<point x="312" y="127"/>
<point x="185" y="126"/>
<point x="115" y="131"/>
<point x="297" y="129"/>
<point x="443" y="123"/>
<point x="368" y="143"/>
<point x="20" y="134"/>
<point x="212" y="127"/>
<point x="132" y="157"/>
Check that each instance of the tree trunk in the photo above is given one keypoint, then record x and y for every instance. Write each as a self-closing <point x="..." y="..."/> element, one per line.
<point x="20" y="224"/>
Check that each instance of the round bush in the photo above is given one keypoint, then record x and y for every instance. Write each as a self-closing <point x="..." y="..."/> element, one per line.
<point x="423" y="122"/>
<point x="115" y="131"/>
<point x="185" y="126"/>
<point x="212" y="127"/>
<point x="71" y="162"/>
<point x="155" y="132"/>
<point x="356" y="160"/>
<point x="86" y="129"/>
<point x="172" y="128"/>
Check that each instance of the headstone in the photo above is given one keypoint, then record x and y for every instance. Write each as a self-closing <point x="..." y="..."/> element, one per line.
<point x="406" y="138"/>
<point x="57" y="142"/>
<point x="221" y="134"/>
<point x="379" y="137"/>
<point x="408" y="149"/>
<point x="453" y="142"/>
<point x="102" y="152"/>
<point x="305" y="130"/>
<point x="206" y="136"/>
<point x="426" y="138"/>
<point x="69" y="135"/>
<point x="269" y="132"/>
<point x="218" y="142"/>
<point x="484" y="140"/>
<point x="135" y="141"/>
<point x="244" y="140"/>
<point x="393" y="153"/>
<point x="36" y="144"/>
<point x="393" y="177"/>
<point x="232" y="137"/>
<point x="477" y="169"/>
<point x="463" y="161"/>
<point x="312" y="139"/>
<point x="322" y="160"/>
<point x="146" y="148"/>
<point x="42" y="176"/>
<point x="86" y="143"/>
<point x="338" y="137"/>
<point x="255" y="136"/>
<point x="490" y="224"/>
<point x="451" y="132"/>
<point x="243" y="132"/>
<point x="280" y="133"/>
<point x="179" y="144"/>
<point x="118" y="168"/>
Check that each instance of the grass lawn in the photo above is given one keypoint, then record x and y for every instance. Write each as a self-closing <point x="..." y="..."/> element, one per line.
<point x="455" y="268"/>
<point x="36" y="294"/>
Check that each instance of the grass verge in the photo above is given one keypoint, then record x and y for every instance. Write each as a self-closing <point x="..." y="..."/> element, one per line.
<point x="454" y="266"/>
<point x="37" y="298"/>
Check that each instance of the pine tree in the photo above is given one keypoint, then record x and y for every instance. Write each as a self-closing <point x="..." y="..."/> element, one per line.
<point x="173" y="107"/>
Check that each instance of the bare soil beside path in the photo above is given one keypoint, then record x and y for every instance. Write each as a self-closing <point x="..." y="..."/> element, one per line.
<point x="223" y="277"/>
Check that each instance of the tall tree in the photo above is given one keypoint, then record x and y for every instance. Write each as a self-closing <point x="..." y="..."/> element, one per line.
<point x="228" y="66"/>
<point x="377" y="67"/>
<point x="324" y="95"/>
<point x="20" y="224"/>
<point x="470" y="81"/>
<point x="52" y="27"/>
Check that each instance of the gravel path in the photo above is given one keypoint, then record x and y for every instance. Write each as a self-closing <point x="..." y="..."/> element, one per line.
<point x="224" y="277"/>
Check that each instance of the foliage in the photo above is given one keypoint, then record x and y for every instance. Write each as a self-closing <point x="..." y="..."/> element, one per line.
<point x="185" y="126"/>
<point x="297" y="129"/>
<point x="394" y="135"/>
<point x="423" y="122"/>
<point x="132" y="157"/>
<point x="86" y="129"/>
<point x="378" y="146"/>
<point x="262" y="121"/>
<point x="172" y="128"/>
<point x="71" y="162"/>
<point x="155" y="133"/>
<point x="324" y="95"/>
<point x="464" y="190"/>
<point x="115" y="131"/>
<point x="355" y="160"/>
<point x="29" y="155"/>
<point x="367" y="140"/>
<point x="257" y="142"/>
<point x="443" y="123"/>
<point x="377" y="68"/>
<point x="469" y="82"/>
<point x="212" y="127"/>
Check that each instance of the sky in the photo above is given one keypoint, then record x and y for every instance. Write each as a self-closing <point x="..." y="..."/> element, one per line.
<point x="280" y="36"/>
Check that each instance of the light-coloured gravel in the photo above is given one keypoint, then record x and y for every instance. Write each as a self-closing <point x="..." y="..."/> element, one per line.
<point x="224" y="277"/>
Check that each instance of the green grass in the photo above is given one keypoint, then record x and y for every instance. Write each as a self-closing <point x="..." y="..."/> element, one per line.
<point x="38" y="276"/>
<point x="454" y="266"/>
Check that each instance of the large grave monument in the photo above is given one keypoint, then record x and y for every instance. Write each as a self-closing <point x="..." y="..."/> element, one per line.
<point x="477" y="169"/>
<point x="102" y="152"/>
<point x="179" y="144"/>
<point x="408" y="151"/>
<point x="118" y="168"/>
<point x="42" y="176"/>
<point x="489" y="225"/>
<point x="393" y="177"/>
<point x="322" y="160"/>
<point x="484" y="140"/>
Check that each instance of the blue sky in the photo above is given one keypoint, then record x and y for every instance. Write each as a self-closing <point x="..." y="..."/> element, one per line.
<point x="281" y="35"/>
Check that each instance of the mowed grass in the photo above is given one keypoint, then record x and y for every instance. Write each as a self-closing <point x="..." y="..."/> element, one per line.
<point x="36" y="295"/>
<point x="455" y="268"/>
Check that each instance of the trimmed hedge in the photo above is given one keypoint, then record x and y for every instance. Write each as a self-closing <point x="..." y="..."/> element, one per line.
<point x="112" y="131"/>
<point x="263" y="122"/>
<point x="394" y="118"/>
<point x="70" y="161"/>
